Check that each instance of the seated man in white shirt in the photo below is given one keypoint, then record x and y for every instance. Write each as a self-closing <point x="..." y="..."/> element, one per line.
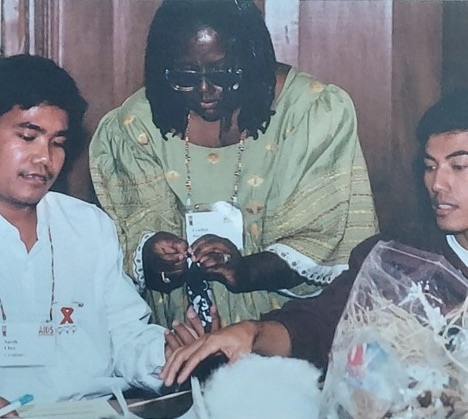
<point x="73" y="326"/>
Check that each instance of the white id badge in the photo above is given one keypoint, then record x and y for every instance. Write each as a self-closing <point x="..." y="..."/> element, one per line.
<point x="27" y="344"/>
<point x="221" y="218"/>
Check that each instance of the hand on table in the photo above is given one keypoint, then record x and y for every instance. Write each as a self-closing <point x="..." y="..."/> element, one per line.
<point x="232" y="341"/>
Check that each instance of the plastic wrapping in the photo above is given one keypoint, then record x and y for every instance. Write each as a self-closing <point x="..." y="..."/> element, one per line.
<point x="401" y="347"/>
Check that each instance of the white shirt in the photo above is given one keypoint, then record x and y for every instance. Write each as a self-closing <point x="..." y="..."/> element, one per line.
<point x="109" y="342"/>
<point x="461" y="252"/>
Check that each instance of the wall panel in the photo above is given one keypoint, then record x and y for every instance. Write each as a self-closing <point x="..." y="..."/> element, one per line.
<point x="349" y="43"/>
<point x="416" y="84"/>
<point x="131" y="26"/>
<point x="15" y="30"/>
<point x="455" y="45"/>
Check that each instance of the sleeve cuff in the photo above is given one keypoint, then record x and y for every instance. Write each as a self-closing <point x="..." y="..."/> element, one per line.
<point x="138" y="272"/>
<point x="316" y="275"/>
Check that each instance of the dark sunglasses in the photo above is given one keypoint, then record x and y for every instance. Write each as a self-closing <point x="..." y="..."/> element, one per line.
<point x="187" y="80"/>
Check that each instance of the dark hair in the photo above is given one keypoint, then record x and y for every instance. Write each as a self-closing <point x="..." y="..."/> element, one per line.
<point x="241" y="25"/>
<point x="27" y="81"/>
<point x="449" y="114"/>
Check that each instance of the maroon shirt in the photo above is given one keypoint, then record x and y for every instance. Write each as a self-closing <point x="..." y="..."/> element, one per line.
<point x="311" y="323"/>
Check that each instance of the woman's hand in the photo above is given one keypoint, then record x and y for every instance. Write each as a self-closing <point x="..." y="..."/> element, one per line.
<point x="233" y="341"/>
<point x="220" y="259"/>
<point x="165" y="261"/>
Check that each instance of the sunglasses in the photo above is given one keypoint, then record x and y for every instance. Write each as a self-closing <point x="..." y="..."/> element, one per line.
<point x="187" y="80"/>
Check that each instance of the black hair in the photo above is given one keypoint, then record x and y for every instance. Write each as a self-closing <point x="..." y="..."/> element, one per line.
<point x="29" y="80"/>
<point x="241" y="25"/>
<point x="449" y="114"/>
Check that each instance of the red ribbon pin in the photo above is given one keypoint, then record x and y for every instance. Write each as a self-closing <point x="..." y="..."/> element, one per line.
<point x="67" y="312"/>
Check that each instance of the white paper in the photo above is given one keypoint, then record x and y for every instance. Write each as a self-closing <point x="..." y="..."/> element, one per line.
<point x="223" y="220"/>
<point x="82" y="409"/>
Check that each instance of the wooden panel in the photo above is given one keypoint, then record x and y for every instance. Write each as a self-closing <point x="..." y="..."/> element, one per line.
<point x="455" y="45"/>
<point x="84" y="48"/>
<point x="14" y="27"/>
<point x="386" y="54"/>
<point x="417" y="49"/>
<point x="46" y="20"/>
<point x="349" y="43"/>
<point x="131" y="26"/>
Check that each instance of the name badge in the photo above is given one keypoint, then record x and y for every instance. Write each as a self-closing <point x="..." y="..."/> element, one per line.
<point x="27" y="344"/>
<point x="221" y="218"/>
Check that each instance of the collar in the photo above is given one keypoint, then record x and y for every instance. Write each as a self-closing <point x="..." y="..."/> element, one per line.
<point x="43" y="220"/>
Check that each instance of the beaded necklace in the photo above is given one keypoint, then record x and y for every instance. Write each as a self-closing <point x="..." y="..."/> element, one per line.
<point x="237" y="172"/>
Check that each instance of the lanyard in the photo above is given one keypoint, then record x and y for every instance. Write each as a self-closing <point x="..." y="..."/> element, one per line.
<point x="237" y="172"/>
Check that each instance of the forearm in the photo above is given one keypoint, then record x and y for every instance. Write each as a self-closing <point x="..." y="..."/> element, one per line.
<point x="266" y="271"/>
<point x="310" y="326"/>
<point x="271" y="338"/>
<point x="311" y="323"/>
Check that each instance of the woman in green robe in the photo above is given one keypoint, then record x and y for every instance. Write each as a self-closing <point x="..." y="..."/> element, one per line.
<point x="221" y="124"/>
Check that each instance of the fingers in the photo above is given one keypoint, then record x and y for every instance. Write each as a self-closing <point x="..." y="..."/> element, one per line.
<point x="213" y="260"/>
<point x="184" y="333"/>
<point x="184" y="350"/>
<point x="169" y="247"/>
<point x="180" y="335"/>
<point x="170" y="255"/>
<point x="233" y="341"/>
<point x="194" y="322"/>
<point x="215" y="318"/>
<point x="172" y="342"/>
<point x="183" y="361"/>
<point x="181" y="247"/>
<point x="171" y="260"/>
<point x="210" y="256"/>
<point x="211" y="247"/>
